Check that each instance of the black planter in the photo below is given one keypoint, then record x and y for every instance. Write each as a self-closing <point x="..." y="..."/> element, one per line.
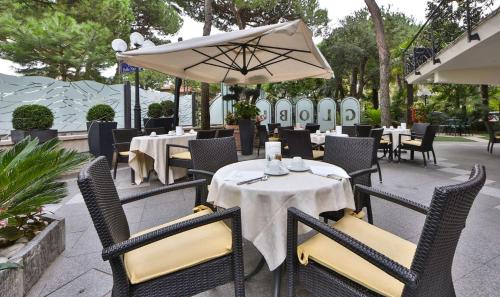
<point x="247" y="133"/>
<point x="167" y="123"/>
<point x="100" y="137"/>
<point x="43" y="135"/>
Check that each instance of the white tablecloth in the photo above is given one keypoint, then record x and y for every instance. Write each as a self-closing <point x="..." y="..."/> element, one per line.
<point x="148" y="153"/>
<point x="264" y="204"/>
<point x="320" y="138"/>
<point x="395" y="135"/>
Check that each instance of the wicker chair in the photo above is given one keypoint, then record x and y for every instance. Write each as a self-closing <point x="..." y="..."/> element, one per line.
<point x="299" y="145"/>
<point x="354" y="155"/>
<point x="157" y="130"/>
<point x="363" y="130"/>
<point x="493" y="137"/>
<point x="376" y="134"/>
<point x="184" y="266"/>
<point x="423" y="145"/>
<point x="272" y="126"/>
<point x="418" y="129"/>
<point x="283" y="135"/>
<point x="312" y="127"/>
<point x="224" y="133"/>
<point x="263" y="137"/>
<point x="206" y="134"/>
<point x="389" y="265"/>
<point x="349" y="130"/>
<point x="385" y="145"/>
<point x="121" y="147"/>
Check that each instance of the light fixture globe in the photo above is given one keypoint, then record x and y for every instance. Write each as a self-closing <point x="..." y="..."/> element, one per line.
<point x="119" y="45"/>
<point x="136" y="39"/>
<point x="148" y="43"/>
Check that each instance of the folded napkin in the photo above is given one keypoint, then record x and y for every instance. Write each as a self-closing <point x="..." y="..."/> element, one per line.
<point x="239" y="176"/>
<point x="329" y="170"/>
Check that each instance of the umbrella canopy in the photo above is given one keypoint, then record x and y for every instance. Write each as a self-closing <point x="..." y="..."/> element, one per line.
<point x="271" y="53"/>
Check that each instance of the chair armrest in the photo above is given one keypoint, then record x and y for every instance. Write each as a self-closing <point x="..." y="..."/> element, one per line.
<point x="164" y="189"/>
<point x="391" y="267"/>
<point x="361" y="172"/>
<point x="392" y="198"/>
<point x="175" y="145"/>
<point x="121" y="146"/>
<point x="134" y="243"/>
<point x="390" y="136"/>
<point x="202" y="172"/>
<point x="319" y="145"/>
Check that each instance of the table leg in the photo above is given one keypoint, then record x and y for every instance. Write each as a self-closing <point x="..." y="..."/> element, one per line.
<point x="277" y="281"/>
<point x="257" y="269"/>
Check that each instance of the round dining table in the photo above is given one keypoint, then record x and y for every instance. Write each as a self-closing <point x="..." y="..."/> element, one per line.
<point x="264" y="204"/>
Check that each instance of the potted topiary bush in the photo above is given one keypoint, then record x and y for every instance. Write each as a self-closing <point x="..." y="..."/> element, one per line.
<point x="32" y="120"/>
<point x="158" y="116"/>
<point x="29" y="239"/>
<point x="245" y="113"/>
<point x="100" y="125"/>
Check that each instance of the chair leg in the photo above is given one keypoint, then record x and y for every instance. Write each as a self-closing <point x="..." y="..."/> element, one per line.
<point x="369" y="213"/>
<point x="132" y="176"/>
<point x="379" y="172"/>
<point x="428" y="157"/>
<point x="399" y="153"/>
<point x="434" y="156"/>
<point x="488" y="148"/>
<point x="425" y="161"/>
<point x="412" y="155"/>
<point x="115" y="166"/>
<point x="491" y="148"/>
<point x="258" y="150"/>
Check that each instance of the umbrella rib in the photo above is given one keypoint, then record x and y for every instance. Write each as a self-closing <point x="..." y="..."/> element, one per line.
<point x="213" y="58"/>
<point x="266" y="63"/>
<point x="194" y="65"/>
<point x="254" y="49"/>
<point x="220" y="66"/>
<point x="271" y="47"/>
<point x="232" y="61"/>
<point x="296" y="59"/>
<point x="263" y="65"/>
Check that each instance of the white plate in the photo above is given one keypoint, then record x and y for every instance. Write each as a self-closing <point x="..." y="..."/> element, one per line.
<point x="283" y="171"/>
<point x="305" y="168"/>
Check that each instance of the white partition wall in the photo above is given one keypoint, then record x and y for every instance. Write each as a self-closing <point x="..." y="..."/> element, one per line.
<point x="350" y="111"/>
<point x="283" y="112"/>
<point x="217" y="111"/>
<point x="327" y="112"/>
<point x="265" y="110"/>
<point x="304" y="111"/>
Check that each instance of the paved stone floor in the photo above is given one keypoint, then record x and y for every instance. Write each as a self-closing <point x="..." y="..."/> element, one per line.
<point x="80" y="271"/>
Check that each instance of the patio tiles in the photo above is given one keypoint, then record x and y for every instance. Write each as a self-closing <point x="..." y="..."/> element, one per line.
<point x="494" y="192"/>
<point x="463" y="178"/>
<point x="456" y="171"/>
<point x="102" y="283"/>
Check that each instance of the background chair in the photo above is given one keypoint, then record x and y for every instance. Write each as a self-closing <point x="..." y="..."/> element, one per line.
<point x="493" y="137"/>
<point x="283" y="135"/>
<point x="158" y="130"/>
<point x="386" y="145"/>
<point x="299" y="145"/>
<point x="272" y="126"/>
<point x="185" y="264"/>
<point x="376" y="134"/>
<point x="418" y="130"/>
<point x="121" y="146"/>
<point x="205" y="134"/>
<point x="362" y="130"/>
<point x="224" y="133"/>
<point x="349" y="130"/>
<point x="312" y="127"/>
<point x="354" y="155"/>
<point x="263" y="137"/>
<point x="423" y="145"/>
<point x="390" y="265"/>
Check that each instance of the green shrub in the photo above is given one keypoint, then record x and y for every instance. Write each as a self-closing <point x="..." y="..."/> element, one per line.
<point x="155" y="110"/>
<point x="372" y="116"/>
<point x="101" y="112"/>
<point x="245" y="110"/>
<point x="32" y="117"/>
<point x="167" y="108"/>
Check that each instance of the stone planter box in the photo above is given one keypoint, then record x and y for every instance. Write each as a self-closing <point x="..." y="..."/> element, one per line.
<point x="167" y="123"/>
<point x="43" y="135"/>
<point x="100" y="138"/>
<point x="35" y="258"/>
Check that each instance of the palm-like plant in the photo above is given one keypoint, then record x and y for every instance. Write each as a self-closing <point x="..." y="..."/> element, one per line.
<point x="29" y="175"/>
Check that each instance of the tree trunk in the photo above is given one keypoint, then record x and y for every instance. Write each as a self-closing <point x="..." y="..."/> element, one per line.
<point x="205" y="89"/>
<point x="340" y="87"/>
<point x="241" y="25"/>
<point x="354" y="82"/>
<point x="485" y="97"/>
<point x="384" y="60"/>
<point x="375" y="98"/>
<point x="409" y="102"/>
<point x="361" y="80"/>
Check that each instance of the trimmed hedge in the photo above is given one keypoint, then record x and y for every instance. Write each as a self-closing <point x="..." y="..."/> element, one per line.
<point x="32" y="117"/>
<point x="167" y="108"/>
<point x="155" y="110"/>
<point x="101" y="112"/>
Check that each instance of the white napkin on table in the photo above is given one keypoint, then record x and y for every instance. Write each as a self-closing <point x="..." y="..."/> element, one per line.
<point x="239" y="175"/>
<point x="329" y="170"/>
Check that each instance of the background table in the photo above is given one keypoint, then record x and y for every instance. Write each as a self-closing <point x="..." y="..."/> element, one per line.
<point x="147" y="153"/>
<point x="318" y="138"/>
<point x="395" y="135"/>
<point x="264" y="204"/>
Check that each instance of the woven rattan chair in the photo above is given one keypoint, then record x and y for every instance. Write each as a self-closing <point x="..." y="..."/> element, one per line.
<point x="263" y="137"/>
<point x="349" y="130"/>
<point x="206" y="134"/>
<point x="363" y="130"/>
<point x="376" y="134"/>
<point x="224" y="133"/>
<point x="191" y="255"/>
<point x="299" y="145"/>
<point x="283" y="135"/>
<point x="385" y="145"/>
<point x="354" y="155"/>
<point x="423" y="145"/>
<point x="121" y="146"/>
<point x="312" y="128"/>
<point x="355" y="258"/>
<point x="272" y="126"/>
<point x="493" y="137"/>
<point x="157" y="130"/>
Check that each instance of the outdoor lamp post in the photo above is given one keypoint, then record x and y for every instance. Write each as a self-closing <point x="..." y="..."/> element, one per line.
<point x="119" y="45"/>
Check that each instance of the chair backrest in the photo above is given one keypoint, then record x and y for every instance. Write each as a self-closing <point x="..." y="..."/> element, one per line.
<point x="158" y="130"/>
<point x="169" y="124"/>
<point x="299" y="144"/>
<point x="212" y="154"/>
<point x="428" y="137"/>
<point x="262" y="133"/>
<point x="363" y="130"/>
<point x="100" y="196"/>
<point x="283" y="132"/>
<point x="444" y="223"/>
<point x="272" y="126"/>
<point x="312" y="127"/>
<point x="224" y="133"/>
<point x="418" y="129"/>
<point x="376" y="134"/>
<point x="124" y="136"/>
<point x="349" y="130"/>
<point x="205" y="134"/>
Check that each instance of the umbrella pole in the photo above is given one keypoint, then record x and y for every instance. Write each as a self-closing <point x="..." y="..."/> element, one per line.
<point x="177" y="93"/>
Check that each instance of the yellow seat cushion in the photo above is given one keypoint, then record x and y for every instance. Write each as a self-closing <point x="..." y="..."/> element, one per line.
<point x="384" y="141"/>
<point x="183" y="155"/>
<point x="497" y="137"/>
<point x="124" y="154"/>
<point x="332" y="255"/>
<point x="318" y="154"/>
<point x="274" y="139"/>
<point x="179" y="251"/>
<point x="414" y="142"/>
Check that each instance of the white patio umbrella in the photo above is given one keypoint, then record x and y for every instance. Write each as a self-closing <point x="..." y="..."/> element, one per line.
<point x="271" y="53"/>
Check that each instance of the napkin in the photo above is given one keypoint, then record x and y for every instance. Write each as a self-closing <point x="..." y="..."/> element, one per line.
<point x="238" y="176"/>
<point x="329" y="170"/>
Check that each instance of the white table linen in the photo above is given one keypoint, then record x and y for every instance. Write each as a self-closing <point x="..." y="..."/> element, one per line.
<point x="318" y="138"/>
<point x="147" y="152"/>
<point x="264" y="204"/>
<point x="395" y="135"/>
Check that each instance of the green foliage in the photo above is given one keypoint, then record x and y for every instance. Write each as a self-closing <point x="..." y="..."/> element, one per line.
<point x="101" y="112"/>
<point x="167" y="108"/>
<point x="155" y="19"/>
<point x="29" y="179"/>
<point x="231" y="119"/>
<point x="32" y="117"/>
<point x="155" y="110"/>
<point x="245" y="110"/>
<point x="372" y="116"/>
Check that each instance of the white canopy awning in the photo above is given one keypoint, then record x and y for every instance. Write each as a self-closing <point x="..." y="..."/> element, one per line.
<point x="271" y="53"/>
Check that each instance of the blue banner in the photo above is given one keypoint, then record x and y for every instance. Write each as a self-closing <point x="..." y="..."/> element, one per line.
<point x="126" y="68"/>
